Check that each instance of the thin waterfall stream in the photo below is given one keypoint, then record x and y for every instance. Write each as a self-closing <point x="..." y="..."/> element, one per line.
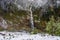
<point x="25" y="5"/>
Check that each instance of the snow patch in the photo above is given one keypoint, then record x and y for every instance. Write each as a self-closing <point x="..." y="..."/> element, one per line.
<point x="25" y="36"/>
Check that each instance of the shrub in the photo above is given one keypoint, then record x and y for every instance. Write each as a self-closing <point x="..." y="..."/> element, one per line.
<point x="53" y="26"/>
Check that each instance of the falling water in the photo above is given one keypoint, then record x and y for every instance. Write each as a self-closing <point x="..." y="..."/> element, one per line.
<point x="25" y="5"/>
<point x="31" y="19"/>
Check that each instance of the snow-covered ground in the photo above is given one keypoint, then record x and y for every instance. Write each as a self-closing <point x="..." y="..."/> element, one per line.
<point x="25" y="36"/>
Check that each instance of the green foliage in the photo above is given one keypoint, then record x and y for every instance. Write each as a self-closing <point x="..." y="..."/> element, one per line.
<point x="20" y="17"/>
<point x="35" y="31"/>
<point x="53" y="26"/>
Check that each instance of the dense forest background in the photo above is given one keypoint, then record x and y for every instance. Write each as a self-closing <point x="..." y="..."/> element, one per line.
<point x="44" y="19"/>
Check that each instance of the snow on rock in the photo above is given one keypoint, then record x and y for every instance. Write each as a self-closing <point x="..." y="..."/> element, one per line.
<point x="4" y="35"/>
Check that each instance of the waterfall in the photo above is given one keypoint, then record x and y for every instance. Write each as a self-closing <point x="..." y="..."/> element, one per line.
<point x="27" y="6"/>
<point x="58" y="3"/>
<point x="31" y="19"/>
<point x="23" y="5"/>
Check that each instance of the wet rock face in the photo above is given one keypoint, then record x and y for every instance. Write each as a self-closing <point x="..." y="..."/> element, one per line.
<point x="3" y="23"/>
<point x="58" y="3"/>
<point x="23" y="3"/>
<point x="27" y="3"/>
<point x="4" y="3"/>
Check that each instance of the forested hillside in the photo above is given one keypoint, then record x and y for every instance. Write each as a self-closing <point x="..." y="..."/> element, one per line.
<point x="30" y="15"/>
